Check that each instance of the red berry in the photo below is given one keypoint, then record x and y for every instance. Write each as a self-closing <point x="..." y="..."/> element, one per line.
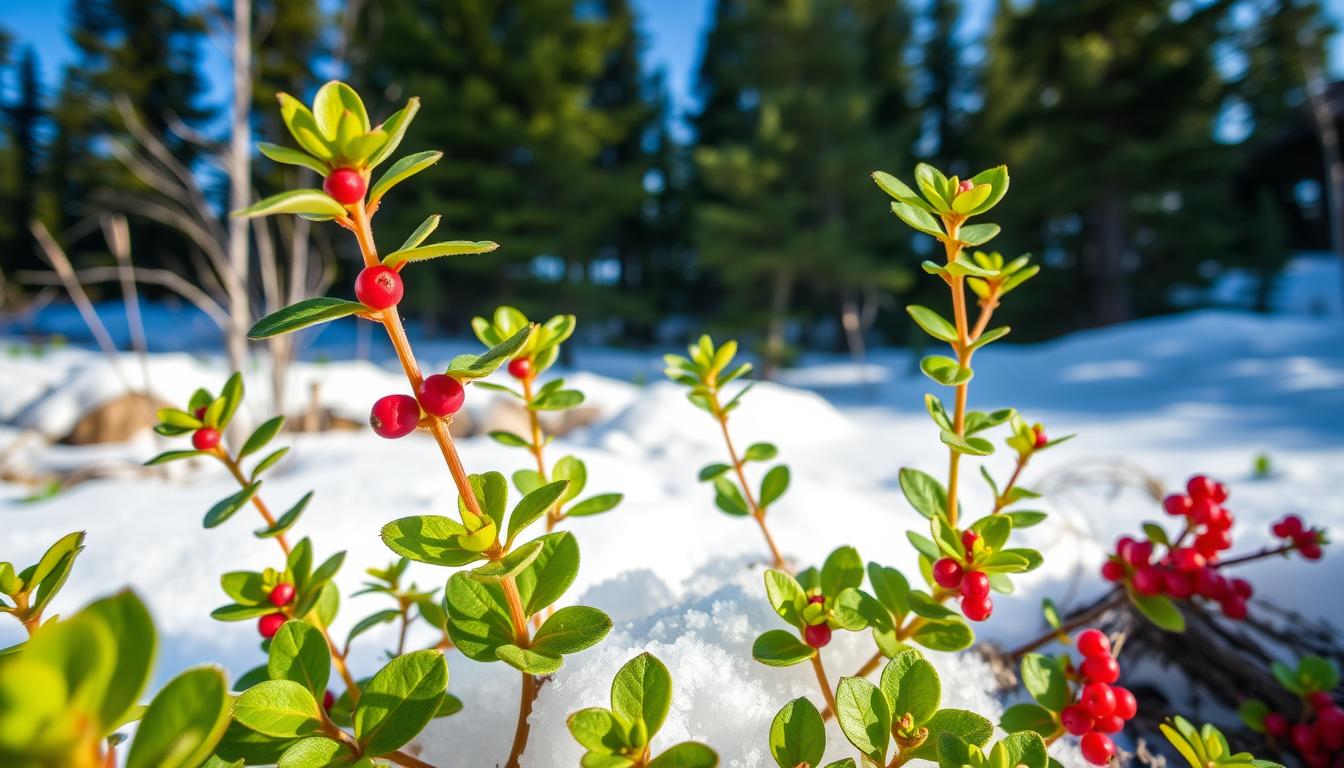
<point x="328" y="700"/>
<point x="1304" y="738"/>
<point x="1201" y="487"/>
<point x="1241" y="587"/>
<point x="378" y="287"/>
<point x="1093" y="642"/>
<point x="1276" y="725"/>
<point x="1220" y="492"/>
<point x="968" y="539"/>
<point x="1320" y="700"/>
<point x="1075" y="720"/>
<point x="1292" y="525"/>
<point x="975" y="585"/>
<point x="1139" y="553"/>
<point x="947" y="573"/>
<point x="815" y="599"/>
<point x="817" y="635"/>
<point x="1203" y="510"/>
<point x="1148" y="581"/>
<point x="441" y="395"/>
<point x="205" y="438"/>
<point x="1041" y="440"/>
<point x="269" y="624"/>
<point x="1309" y="547"/>
<point x="1177" y="504"/>
<point x="520" y="367"/>
<point x="1126" y="706"/>
<point x="394" y="416"/>
<point x="1122" y="546"/>
<point x="345" y="185"/>
<point x="1187" y="559"/>
<point x="1109" y="724"/>
<point x="1177" y="584"/>
<point x="1101" y="669"/>
<point x="1234" y="607"/>
<point x="1210" y="584"/>
<point x="1097" y="748"/>
<point x="1330" y="729"/>
<point x="281" y="595"/>
<point x="977" y="609"/>
<point x="1112" y="570"/>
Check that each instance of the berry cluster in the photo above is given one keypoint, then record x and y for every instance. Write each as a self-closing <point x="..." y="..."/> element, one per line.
<point x="1299" y="537"/>
<point x="973" y="585"/>
<point x="1101" y="708"/>
<point x="281" y="595"/>
<point x="817" y="632"/>
<point x="1185" y="571"/>
<point x="1318" y="737"/>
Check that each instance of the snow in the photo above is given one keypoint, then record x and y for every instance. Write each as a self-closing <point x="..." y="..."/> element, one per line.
<point x="1203" y="391"/>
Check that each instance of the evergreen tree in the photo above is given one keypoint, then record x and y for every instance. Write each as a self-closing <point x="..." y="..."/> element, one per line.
<point x="1105" y="112"/>
<point x="21" y="188"/>
<point x="537" y="107"/>
<point x="788" y="136"/>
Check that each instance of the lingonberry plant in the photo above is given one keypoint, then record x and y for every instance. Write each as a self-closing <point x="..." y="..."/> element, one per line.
<point x="641" y="695"/>
<point x="529" y="362"/>
<point x="1078" y="698"/>
<point x="1314" y="729"/>
<point x="1207" y="747"/>
<point x="490" y="607"/>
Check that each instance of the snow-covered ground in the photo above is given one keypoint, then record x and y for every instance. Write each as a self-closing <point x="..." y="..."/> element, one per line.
<point x="1206" y="391"/>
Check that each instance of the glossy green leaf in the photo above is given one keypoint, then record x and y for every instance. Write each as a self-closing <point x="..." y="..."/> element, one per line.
<point x="642" y="692"/>
<point x="864" y="718"/>
<point x="437" y="250"/>
<point x="299" y="652"/>
<point x="400" y="701"/>
<point x="400" y="171"/>
<point x="184" y="721"/>
<point x="225" y="508"/>
<point x="310" y="202"/>
<point x="797" y="735"/>
<point x="302" y="315"/>
<point x="278" y="708"/>
<point x="779" y="648"/>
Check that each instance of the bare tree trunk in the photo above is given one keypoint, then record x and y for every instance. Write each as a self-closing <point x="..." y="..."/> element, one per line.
<point x="1328" y="135"/>
<point x="240" y="183"/>
<point x="779" y="310"/>
<point x="1110" y="284"/>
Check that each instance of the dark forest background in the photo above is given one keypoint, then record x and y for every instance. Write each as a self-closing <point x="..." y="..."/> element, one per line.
<point x="1153" y="144"/>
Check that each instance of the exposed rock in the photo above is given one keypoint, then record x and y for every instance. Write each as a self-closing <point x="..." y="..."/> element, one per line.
<point x="115" y="420"/>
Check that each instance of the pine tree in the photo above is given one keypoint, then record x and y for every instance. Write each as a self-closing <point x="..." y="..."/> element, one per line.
<point x="535" y="108"/>
<point x="788" y="136"/>
<point x="22" y="187"/>
<point x="1105" y="111"/>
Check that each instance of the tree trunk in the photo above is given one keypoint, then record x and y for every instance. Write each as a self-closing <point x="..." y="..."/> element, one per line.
<point x="1328" y="135"/>
<point x="240" y="184"/>
<point x="1109" y="282"/>
<point x="779" y="315"/>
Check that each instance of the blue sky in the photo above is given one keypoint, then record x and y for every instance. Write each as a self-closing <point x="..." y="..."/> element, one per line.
<point x="674" y="29"/>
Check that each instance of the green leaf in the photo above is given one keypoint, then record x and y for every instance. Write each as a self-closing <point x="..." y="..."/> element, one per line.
<point x="509" y="439"/>
<point x="642" y="692"/>
<point x="923" y="492"/>
<point x="437" y="250"/>
<point x="225" y="508"/>
<point x="728" y="498"/>
<point x="779" y="648"/>
<point x="551" y="573"/>
<point x="299" y="653"/>
<point x="268" y="462"/>
<point x="1045" y="681"/>
<point x="596" y="730"/>
<point x="933" y="323"/>
<point x="532" y="506"/>
<point x="797" y="735"/>
<point x="990" y="336"/>
<point x="973" y="446"/>
<point x="529" y="660"/>
<point x="864" y="718"/>
<point x="478" y="617"/>
<point x="479" y="366"/>
<point x="400" y="701"/>
<point x="510" y="565"/>
<point x="132" y="629"/>
<point x="421" y="232"/>
<point x="773" y="485"/>
<point x="712" y="471"/>
<point x="290" y="156"/>
<point x="278" y="708"/>
<point x="303" y="314"/>
<point x="167" y="456"/>
<point x="261" y="436"/>
<point x="997" y="179"/>
<point x="561" y="400"/>
<point x="308" y="202"/>
<point x="571" y="629"/>
<point x="910" y="685"/>
<point x="1029" y="717"/>
<point x="184" y="722"/>
<point x="595" y="505"/>
<point x="757" y="452"/>
<point x="395" y="128"/>
<point x="287" y="520"/>
<point x="897" y="189"/>
<point x="967" y="727"/>
<point x="944" y="635"/>
<point x="918" y="218"/>
<point x="843" y="569"/>
<point x="1160" y="610"/>
<point x="431" y="539"/>
<point x="977" y="234"/>
<point x="332" y="101"/>
<point x="933" y="185"/>
<point x="945" y="370"/>
<point x="316" y="752"/>
<point x="687" y="754"/>
<point x="786" y="596"/>
<point x="400" y="171"/>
